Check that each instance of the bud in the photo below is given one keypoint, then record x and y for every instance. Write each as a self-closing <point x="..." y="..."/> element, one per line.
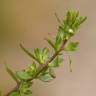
<point x="71" y="31"/>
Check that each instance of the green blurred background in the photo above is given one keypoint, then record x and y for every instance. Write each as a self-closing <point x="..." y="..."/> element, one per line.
<point x="29" y="22"/>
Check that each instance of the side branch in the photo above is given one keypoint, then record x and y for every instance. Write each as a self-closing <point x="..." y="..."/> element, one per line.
<point x="41" y="68"/>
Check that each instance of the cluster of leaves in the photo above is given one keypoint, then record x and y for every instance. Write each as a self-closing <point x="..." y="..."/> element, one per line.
<point x="23" y="90"/>
<point x="67" y="28"/>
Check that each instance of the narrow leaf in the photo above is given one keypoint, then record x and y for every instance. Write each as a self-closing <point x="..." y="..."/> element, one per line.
<point x="57" y="18"/>
<point x="12" y="74"/>
<point x="51" y="43"/>
<point x="52" y="73"/>
<point x="56" y="62"/>
<point x="68" y="17"/>
<point x="15" y="93"/>
<point x="72" y="46"/>
<point x="28" y="53"/>
<point x="83" y="19"/>
<point x="75" y="16"/>
<point x="46" y="77"/>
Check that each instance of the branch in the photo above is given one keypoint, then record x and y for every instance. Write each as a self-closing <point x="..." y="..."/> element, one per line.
<point x="41" y="68"/>
<point x="64" y="32"/>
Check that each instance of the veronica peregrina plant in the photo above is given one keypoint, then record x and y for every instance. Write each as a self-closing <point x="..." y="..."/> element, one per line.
<point x="43" y="64"/>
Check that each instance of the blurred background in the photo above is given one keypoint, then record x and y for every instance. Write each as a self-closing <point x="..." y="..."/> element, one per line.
<point x="29" y="22"/>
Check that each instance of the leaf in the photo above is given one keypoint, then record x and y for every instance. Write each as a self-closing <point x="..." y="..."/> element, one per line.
<point x="46" y="77"/>
<point x="22" y="75"/>
<point x="41" y="54"/>
<point x="45" y="54"/>
<point x="28" y="93"/>
<point x="12" y="74"/>
<point x="52" y="73"/>
<point x="57" y="18"/>
<point x="28" y="53"/>
<point x="72" y="46"/>
<point x="33" y="66"/>
<point x="25" y="88"/>
<point x="31" y="70"/>
<point x="82" y="19"/>
<point x="56" y="62"/>
<point x="72" y="21"/>
<point x="75" y="16"/>
<point x="51" y="43"/>
<point x="59" y="39"/>
<point x="15" y="93"/>
<point x="37" y="52"/>
<point x="58" y="43"/>
<point x="68" y="17"/>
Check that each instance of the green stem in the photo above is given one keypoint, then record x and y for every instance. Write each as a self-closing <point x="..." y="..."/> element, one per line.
<point x="44" y="67"/>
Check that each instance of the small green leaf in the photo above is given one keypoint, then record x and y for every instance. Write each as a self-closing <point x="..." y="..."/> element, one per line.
<point x="11" y="73"/>
<point x="28" y="53"/>
<point x="59" y="39"/>
<point x="31" y="69"/>
<point x="74" y="16"/>
<point x="72" y="46"/>
<point x="51" y="43"/>
<point x="28" y="93"/>
<point x="46" y="77"/>
<point x="15" y="93"/>
<point x="25" y="88"/>
<point x="56" y="62"/>
<point x="45" y="54"/>
<point x="41" y="54"/>
<point x="52" y="73"/>
<point x="68" y="17"/>
<point x="37" y="53"/>
<point x="82" y="19"/>
<point x="22" y="75"/>
<point x="57" y="18"/>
